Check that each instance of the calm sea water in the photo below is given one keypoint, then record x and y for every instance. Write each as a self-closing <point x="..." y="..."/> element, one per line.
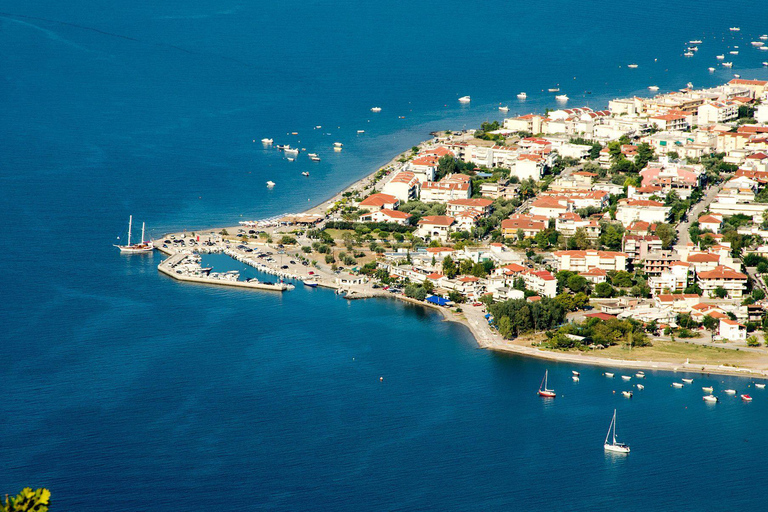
<point x="123" y="390"/>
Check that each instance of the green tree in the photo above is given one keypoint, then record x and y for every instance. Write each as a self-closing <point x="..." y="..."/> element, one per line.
<point x="667" y="233"/>
<point x="752" y="341"/>
<point x="428" y="286"/>
<point x="604" y="290"/>
<point x="449" y="267"/>
<point x="758" y="294"/>
<point x="710" y="323"/>
<point x="27" y="500"/>
<point x="720" y="292"/>
<point x="577" y="283"/>
<point x="622" y="279"/>
<point x="580" y="240"/>
<point x="505" y="327"/>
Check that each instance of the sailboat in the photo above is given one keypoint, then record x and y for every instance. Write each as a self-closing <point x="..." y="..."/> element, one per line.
<point x="613" y="446"/>
<point x="543" y="391"/>
<point x="136" y="248"/>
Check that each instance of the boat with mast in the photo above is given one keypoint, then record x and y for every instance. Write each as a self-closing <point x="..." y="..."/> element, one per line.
<point x="614" y="446"/>
<point x="543" y="390"/>
<point x="136" y="248"/>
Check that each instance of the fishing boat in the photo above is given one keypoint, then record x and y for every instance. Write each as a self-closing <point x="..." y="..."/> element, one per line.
<point x="609" y="375"/>
<point x="653" y="87"/>
<point x="305" y="173"/>
<point x="561" y="97"/>
<point x="720" y="57"/>
<point x="504" y="108"/>
<point x="729" y="391"/>
<point x="376" y="109"/>
<point x="760" y="386"/>
<point x="522" y="96"/>
<point x="310" y="283"/>
<point x="270" y="184"/>
<point x="613" y="445"/>
<point x="687" y="381"/>
<point x="710" y="398"/>
<point x="746" y="398"/>
<point x="140" y="247"/>
<point x="465" y="99"/>
<point x="677" y="384"/>
<point x="543" y="390"/>
<point x="708" y="389"/>
<point x="266" y="141"/>
<point x="640" y="387"/>
<point x="632" y="66"/>
<point x="627" y="394"/>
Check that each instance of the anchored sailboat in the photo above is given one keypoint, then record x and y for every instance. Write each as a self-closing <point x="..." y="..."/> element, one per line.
<point x="543" y="391"/>
<point x="613" y="446"/>
<point x="135" y="248"/>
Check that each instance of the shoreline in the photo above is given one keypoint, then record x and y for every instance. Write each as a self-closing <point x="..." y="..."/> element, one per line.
<point x="485" y="337"/>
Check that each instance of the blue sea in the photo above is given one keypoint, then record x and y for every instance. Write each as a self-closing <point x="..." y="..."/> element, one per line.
<point x="123" y="390"/>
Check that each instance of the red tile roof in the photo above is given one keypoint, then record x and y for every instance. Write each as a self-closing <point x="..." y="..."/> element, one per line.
<point x="437" y="220"/>
<point x="378" y="200"/>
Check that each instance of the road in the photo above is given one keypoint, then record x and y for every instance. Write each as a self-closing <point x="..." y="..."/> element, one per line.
<point x="683" y="237"/>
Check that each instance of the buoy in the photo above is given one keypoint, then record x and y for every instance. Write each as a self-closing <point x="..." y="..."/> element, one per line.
<point x="381" y="379"/>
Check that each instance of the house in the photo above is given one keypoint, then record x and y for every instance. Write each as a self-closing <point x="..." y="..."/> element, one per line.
<point x="595" y="275"/>
<point x="378" y="202"/>
<point x="530" y="225"/>
<point x="550" y="207"/>
<point x="680" y="178"/>
<point x="671" y="122"/>
<point x="638" y="246"/>
<point x="731" y="330"/>
<point x="349" y="279"/>
<point x="673" y="279"/>
<point x="541" y="282"/>
<point x="568" y="223"/>
<point x="700" y="310"/>
<point x="481" y="205"/>
<point x="711" y="223"/>
<point x="452" y="186"/>
<point x="582" y="261"/>
<point x="386" y="215"/>
<point x="630" y="210"/>
<point x="715" y="112"/>
<point x="424" y="167"/>
<point x="757" y="88"/>
<point x="640" y="227"/>
<point x="658" y="261"/>
<point x="435" y="226"/>
<point x="529" y="167"/>
<point x="404" y="185"/>
<point x="732" y="281"/>
<point x="531" y="123"/>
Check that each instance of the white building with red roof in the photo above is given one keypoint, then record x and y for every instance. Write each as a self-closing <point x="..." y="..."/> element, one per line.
<point x="532" y="123"/>
<point x="734" y="283"/>
<point x="424" y="167"/>
<point x="671" y="122"/>
<point x="711" y="222"/>
<point x="529" y="166"/>
<point x="714" y="112"/>
<point x="386" y="215"/>
<point x="479" y="204"/>
<point x="570" y="222"/>
<point x="595" y="275"/>
<point x="404" y="185"/>
<point x="756" y="87"/>
<point x="731" y="330"/>
<point x="630" y="210"/>
<point x="435" y="227"/>
<point x="378" y="202"/>
<point x="453" y="186"/>
<point x="542" y="282"/>
<point x="582" y="261"/>
<point x="550" y="207"/>
<point x="530" y="225"/>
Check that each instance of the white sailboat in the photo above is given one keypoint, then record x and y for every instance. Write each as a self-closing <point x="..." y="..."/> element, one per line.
<point x="614" y="446"/>
<point x="543" y="390"/>
<point x="136" y="248"/>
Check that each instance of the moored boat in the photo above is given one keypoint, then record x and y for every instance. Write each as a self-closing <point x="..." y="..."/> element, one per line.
<point x="746" y="398"/>
<point x="626" y="377"/>
<point x="465" y="99"/>
<point x="305" y="173"/>
<point x="376" y="109"/>
<point x="708" y="389"/>
<point x="609" y="375"/>
<point x="310" y="283"/>
<point x="267" y="141"/>
<point x="727" y="64"/>
<point x="543" y="390"/>
<point x="627" y="394"/>
<point x="729" y="391"/>
<point x="677" y="384"/>
<point x="710" y="398"/>
<point x="653" y="87"/>
<point x="760" y="386"/>
<point x="141" y="247"/>
<point x="734" y="29"/>
<point x="640" y="387"/>
<point x="554" y="89"/>
<point x="720" y="57"/>
<point x="522" y="96"/>
<point x="632" y="66"/>
<point x="561" y="97"/>
<point x="687" y="381"/>
<point x="504" y="108"/>
<point x="613" y="445"/>
<point x="640" y="375"/>
<point x="270" y="184"/>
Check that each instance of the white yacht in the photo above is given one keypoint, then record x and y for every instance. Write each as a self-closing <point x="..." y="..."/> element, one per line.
<point x="305" y="173"/>
<point x="465" y="99"/>
<point x="614" y="446"/>
<point x="640" y="387"/>
<point x="720" y="57"/>
<point x="710" y="69"/>
<point x="727" y="64"/>
<point x="626" y="377"/>
<point x="561" y="97"/>
<point x="609" y="375"/>
<point x="710" y="398"/>
<point x="708" y="389"/>
<point x="632" y="66"/>
<point x="270" y="184"/>
<point x="504" y="108"/>
<point x="765" y="63"/>
<point x="687" y="381"/>
<point x="627" y="394"/>
<point x="266" y="141"/>
<point x="291" y="151"/>
<point x="310" y="155"/>
<point x="522" y="96"/>
<point x="760" y="386"/>
<point x="653" y="88"/>
<point x="376" y="109"/>
<point x="677" y="384"/>
<point x="757" y="43"/>
<point x="734" y="52"/>
<point x="140" y="247"/>
<point x="729" y="391"/>
<point x="688" y="54"/>
<point x="338" y="145"/>
<point x="314" y="158"/>
<point x="735" y="29"/>
<point x="554" y="89"/>
<point x="764" y="48"/>
<point x="695" y="41"/>
<point x="764" y="37"/>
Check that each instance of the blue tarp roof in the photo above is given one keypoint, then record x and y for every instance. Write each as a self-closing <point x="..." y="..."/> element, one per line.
<point x="440" y="301"/>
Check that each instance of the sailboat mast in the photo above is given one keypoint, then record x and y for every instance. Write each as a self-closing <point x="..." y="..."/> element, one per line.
<point x="142" y="232"/>
<point x="614" y="426"/>
<point x="130" y="225"/>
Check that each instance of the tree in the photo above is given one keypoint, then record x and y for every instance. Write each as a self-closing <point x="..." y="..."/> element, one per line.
<point x="622" y="279"/>
<point x="752" y="341"/>
<point x="611" y="236"/>
<point x="604" y="290"/>
<point x="446" y="165"/>
<point x="428" y="286"/>
<point x="449" y="267"/>
<point x="720" y="292"/>
<point x="577" y="283"/>
<point x="580" y="240"/>
<point x="667" y="233"/>
<point x="762" y="267"/>
<point x="758" y="294"/>
<point x="505" y="327"/>
<point x="594" y="152"/>
<point x="27" y="500"/>
<point x="710" y="323"/>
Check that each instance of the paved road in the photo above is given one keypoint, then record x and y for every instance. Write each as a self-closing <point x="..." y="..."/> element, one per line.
<point x="683" y="237"/>
<point x="755" y="277"/>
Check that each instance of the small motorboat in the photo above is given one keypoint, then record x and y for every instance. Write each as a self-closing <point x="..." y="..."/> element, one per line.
<point x="640" y="387"/>
<point x="708" y="389"/>
<point x="465" y="99"/>
<point x="734" y="29"/>
<point x="359" y="132"/>
<point x="640" y="375"/>
<point x="710" y="398"/>
<point x="746" y="398"/>
<point x="763" y="48"/>
<point x="561" y="97"/>
<point x="765" y="63"/>
<point x="695" y="41"/>
<point x="305" y="173"/>
<point x="575" y="378"/>
<point x="376" y="109"/>
<point x="575" y="373"/>
<point x="626" y="377"/>
<point x="734" y="52"/>
<point x="504" y="108"/>
<point x="764" y="37"/>
<point x="310" y="283"/>
<point x="338" y="145"/>
<point x="627" y="394"/>
<point x="757" y="43"/>
<point x="543" y="390"/>
<point x="677" y="384"/>
<point x="270" y="184"/>
<point x="632" y="66"/>
<point x="687" y="381"/>
<point x="608" y="374"/>
<point x="688" y="54"/>
<point x="710" y="69"/>
<point x="522" y="96"/>
<point x="727" y="64"/>
<point x="314" y="158"/>
<point x="267" y="142"/>
<point x="729" y="391"/>
<point x="554" y="89"/>
<point x="653" y="87"/>
<point x="310" y="155"/>
<point x="760" y="386"/>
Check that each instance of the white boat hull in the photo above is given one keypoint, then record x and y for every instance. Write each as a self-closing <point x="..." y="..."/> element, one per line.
<point x="614" y="448"/>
